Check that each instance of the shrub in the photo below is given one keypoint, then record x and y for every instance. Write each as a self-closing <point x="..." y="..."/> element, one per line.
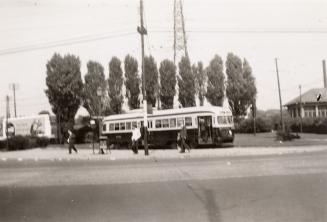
<point x="263" y="124"/>
<point x="311" y="125"/>
<point x="3" y="144"/>
<point x="18" y="143"/>
<point x="25" y="142"/>
<point x="32" y="141"/>
<point x="286" y="135"/>
<point x="42" y="142"/>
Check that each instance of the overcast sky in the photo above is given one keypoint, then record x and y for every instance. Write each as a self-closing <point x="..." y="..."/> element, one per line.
<point x="294" y="31"/>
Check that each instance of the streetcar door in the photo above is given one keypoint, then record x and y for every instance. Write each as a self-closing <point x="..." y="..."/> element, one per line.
<point x="205" y="130"/>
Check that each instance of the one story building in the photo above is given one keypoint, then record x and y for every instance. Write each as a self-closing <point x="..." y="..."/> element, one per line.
<point x="312" y="103"/>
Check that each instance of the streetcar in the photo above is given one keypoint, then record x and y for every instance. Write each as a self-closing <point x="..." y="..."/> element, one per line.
<point x="206" y="126"/>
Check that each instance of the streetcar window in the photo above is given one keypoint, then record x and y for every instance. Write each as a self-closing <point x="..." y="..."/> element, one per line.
<point x="220" y="120"/>
<point x="188" y="121"/>
<point x="149" y="124"/>
<point x="158" y="123"/>
<point x="230" y="119"/>
<point x="165" y="123"/>
<point x="172" y="123"/>
<point x="111" y="127"/>
<point x="104" y="127"/>
<point x="141" y="123"/>
<point x="122" y="126"/>
<point x="128" y="125"/>
<point x="134" y="124"/>
<point x="180" y="121"/>
<point x="116" y="126"/>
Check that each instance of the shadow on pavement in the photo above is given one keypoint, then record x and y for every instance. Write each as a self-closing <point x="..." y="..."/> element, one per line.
<point x="211" y="206"/>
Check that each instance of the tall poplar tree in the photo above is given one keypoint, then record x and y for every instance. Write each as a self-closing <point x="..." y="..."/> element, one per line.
<point x="93" y="79"/>
<point x="186" y="84"/>
<point x="200" y="81"/>
<point x="64" y="88"/>
<point x="216" y="82"/>
<point x="115" y="85"/>
<point x="132" y="82"/>
<point x="167" y="72"/>
<point x="241" y="89"/>
<point x="151" y="80"/>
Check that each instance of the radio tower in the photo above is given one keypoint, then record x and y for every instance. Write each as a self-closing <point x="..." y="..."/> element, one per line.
<point x="180" y="43"/>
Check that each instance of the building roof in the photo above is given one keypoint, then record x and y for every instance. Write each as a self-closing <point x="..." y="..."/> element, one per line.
<point x="310" y="96"/>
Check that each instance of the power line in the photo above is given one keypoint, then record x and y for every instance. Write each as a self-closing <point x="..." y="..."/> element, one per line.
<point x="70" y="41"/>
<point x="250" y="31"/>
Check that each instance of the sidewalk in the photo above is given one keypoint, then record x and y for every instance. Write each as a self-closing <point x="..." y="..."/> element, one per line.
<point x="60" y="153"/>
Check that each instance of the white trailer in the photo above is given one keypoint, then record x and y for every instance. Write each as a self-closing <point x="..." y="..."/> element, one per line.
<point x="38" y="125"/>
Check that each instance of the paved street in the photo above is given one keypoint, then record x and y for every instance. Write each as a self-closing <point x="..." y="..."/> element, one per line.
<point x="274" y="187"/>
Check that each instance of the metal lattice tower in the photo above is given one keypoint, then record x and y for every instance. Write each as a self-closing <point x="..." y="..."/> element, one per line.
<point x="180" y="43"/>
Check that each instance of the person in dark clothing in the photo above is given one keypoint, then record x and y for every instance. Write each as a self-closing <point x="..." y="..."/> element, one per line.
<point x="71" y="141"/>
<point x="183" y="138"/>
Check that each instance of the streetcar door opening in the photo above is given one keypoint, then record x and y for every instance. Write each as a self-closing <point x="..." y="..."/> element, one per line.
<point x="205" y="130"/>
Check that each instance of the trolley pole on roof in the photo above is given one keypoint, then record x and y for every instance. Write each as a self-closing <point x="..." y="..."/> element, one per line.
<point x="143" y="32"/>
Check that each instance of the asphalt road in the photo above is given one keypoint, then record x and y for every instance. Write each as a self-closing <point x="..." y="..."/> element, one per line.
<point x="288" y="187"/>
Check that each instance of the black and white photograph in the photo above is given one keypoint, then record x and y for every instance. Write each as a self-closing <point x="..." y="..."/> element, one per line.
<point x="163" y="110"/>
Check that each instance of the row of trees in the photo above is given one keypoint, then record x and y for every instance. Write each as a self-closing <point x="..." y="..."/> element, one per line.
<point x="66" y="90"/>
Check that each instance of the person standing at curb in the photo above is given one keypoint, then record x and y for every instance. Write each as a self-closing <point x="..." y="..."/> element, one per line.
<point x="136" y="134"/>
<point x="71" y="141"/>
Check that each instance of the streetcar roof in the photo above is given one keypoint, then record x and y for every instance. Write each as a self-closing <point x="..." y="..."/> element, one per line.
<point x="218" y="110"/>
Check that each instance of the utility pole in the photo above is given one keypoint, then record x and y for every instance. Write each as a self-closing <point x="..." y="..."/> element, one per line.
<point x="7" y="117"/>
<point x="254" y="114"/>
<point x="143" y="32"/>
<point x="184" y="35"/>
<point x="300" y="108"/>
<point x="59" y="124"/>
<point x="14" y="87"/>
<point x="280" y="98"/>
<point x="175" y="41"/>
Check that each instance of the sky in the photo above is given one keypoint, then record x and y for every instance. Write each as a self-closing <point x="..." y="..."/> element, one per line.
<point x="293" y="31"/>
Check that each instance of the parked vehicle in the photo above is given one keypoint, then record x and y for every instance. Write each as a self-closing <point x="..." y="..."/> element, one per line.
<point x="39" y="126"/>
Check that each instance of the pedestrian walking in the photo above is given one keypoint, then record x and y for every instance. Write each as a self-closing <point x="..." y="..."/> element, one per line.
<point x="184" y="139"/>
<point x="71" y="141"/>
<point x="136" y="135"/>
